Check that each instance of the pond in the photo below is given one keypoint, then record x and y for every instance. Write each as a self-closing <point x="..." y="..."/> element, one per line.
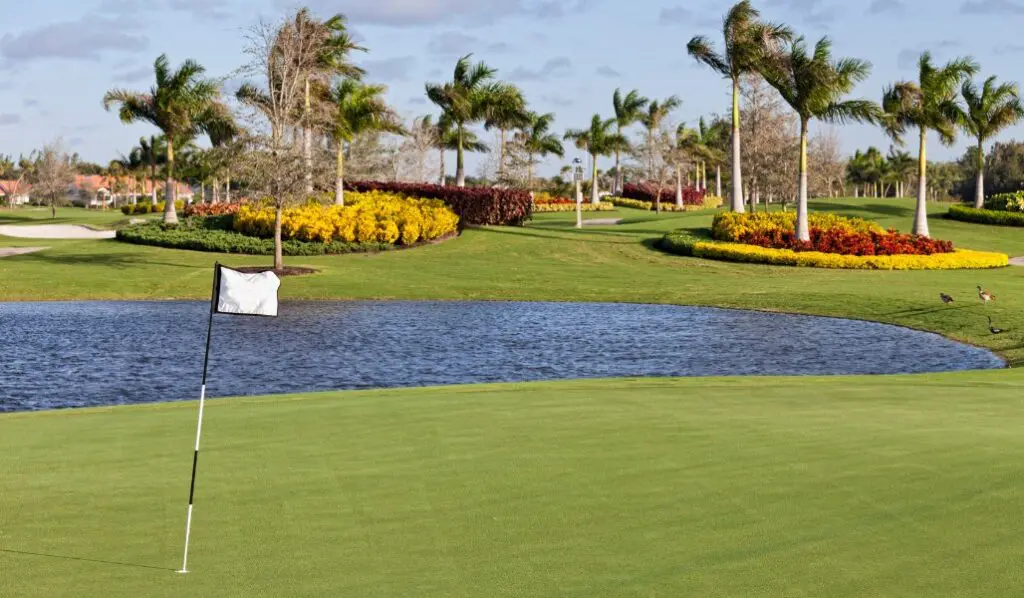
<point x="58" y="355"/>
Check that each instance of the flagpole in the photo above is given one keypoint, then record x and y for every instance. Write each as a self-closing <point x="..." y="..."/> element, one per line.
<point x="199" y="424"/>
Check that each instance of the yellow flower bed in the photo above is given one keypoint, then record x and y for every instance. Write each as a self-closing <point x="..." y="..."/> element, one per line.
<point x="373" y="217"/>
<point x="960" y="259"/>
<point x="604" y="206"/>
<point x="730" y="226"/>
<point x="710" y="202"/>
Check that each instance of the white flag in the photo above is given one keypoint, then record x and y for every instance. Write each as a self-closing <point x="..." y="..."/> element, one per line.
<point x="246" y="294"/>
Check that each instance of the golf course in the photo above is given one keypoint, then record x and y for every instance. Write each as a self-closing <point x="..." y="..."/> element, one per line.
<point x="737" y="486"/>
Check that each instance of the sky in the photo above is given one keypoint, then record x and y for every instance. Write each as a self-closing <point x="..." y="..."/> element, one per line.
<point x="58" y="57"/>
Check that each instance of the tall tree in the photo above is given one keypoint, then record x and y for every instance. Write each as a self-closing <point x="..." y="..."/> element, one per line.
<point x="153" y="151"/>
<point x="652" y="120"/>
<point x="359" y="108"/>
<point x="930" y="103"/>
<point x="467" y="99"/>
<point x="748" y="44"/>
<point x="598" y="140"/>
<point x="628" y="110"/>
<point x="989" y="110"/>
<point x="538" y="140"/>
<point x="506" y="111"/>
<point x="178" y="104"/>
<point x="52" y="173"/>
<point x="814" y="85"/>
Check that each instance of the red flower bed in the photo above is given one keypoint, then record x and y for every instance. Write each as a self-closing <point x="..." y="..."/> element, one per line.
<point x="473" y="205"/>
<point x="211" y="209"/>
<point x="850" y="243"/>
<point x="648" y="192"/>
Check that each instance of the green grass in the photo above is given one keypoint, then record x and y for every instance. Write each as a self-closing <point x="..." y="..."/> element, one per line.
<point x="873" y="486"/>
<point x="94" y="218"/>
<point x="551" y="260"/>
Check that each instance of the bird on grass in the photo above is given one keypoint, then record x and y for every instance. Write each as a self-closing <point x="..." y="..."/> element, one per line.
<point x="993" y="329"/>
<point x="945" y="298"/>
<point x="985" y="295"/>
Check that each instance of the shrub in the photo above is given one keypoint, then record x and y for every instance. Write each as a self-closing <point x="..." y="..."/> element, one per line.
<point x="996" y="217"/>
<point x="373" y="217"/>
<point x="199" y="236"/>
<point x="149" y="208"/>
<point x="473" y="205"/>
<point x="829" y="234"/>
<point x="1006" y="202"/>
<point x="647" y="192"/>
<point x="570" y="206"/>
<point x="647" y="205"/>
<point x="210" y="209"/>
<point x="690" y="244"/>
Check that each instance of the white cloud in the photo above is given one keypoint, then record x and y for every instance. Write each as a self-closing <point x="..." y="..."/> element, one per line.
<point x="87" y="38"/>
<point x="556" y="67"/>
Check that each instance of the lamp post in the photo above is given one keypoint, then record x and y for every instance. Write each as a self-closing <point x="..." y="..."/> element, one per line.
<point x="577" y="177"/>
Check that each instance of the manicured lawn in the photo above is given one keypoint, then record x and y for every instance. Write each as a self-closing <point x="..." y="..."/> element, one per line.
<point x="885" y="486"/>
<point x="97" y="218"/>
<point x="551" y="260"/>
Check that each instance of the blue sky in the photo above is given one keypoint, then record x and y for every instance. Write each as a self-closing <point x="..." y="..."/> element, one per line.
<point x="58" y="57"/>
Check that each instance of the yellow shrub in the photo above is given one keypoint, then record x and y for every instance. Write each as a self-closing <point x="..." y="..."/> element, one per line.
<point x="373" y="217"/>
<point x="738" y="252"/>
<point x="730" y="226"/>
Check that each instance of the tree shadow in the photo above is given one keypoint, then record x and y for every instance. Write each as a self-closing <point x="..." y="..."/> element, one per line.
<point x="83" y="559"/>
<point x="112" y="260"/>
<point x="925" y="311"/>
<point x="574" y="234"/>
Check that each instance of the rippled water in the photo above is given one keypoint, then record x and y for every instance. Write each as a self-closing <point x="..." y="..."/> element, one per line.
<point x="58" y="355"/>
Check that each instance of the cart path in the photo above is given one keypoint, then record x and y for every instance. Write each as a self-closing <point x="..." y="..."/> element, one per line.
<point x="55" y="231"/>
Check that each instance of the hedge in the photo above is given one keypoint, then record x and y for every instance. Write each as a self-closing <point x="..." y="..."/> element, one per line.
<point x="996" y="217"/>
<point x="690" y="243"/>
<point x="476" y="206"/>
<point x="208" y="234"/>
<point x="646" y="192"/>
<point x="586" y="206"/>
<point x="708" y="202"/>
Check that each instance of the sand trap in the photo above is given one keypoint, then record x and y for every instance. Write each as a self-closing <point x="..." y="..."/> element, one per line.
<point x="602" y="221"/>
<point x="55" y="231"/>
<point x="1017" y="261"/>
<point x="9" y="251"/>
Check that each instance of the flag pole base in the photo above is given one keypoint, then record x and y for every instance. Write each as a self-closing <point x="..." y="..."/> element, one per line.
<point x="182" y="571"/>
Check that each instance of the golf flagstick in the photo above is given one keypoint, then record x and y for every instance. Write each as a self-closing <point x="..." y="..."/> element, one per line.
<point x="234" y="293"/>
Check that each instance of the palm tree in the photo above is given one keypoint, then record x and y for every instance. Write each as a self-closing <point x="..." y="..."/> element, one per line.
<point x="598" y="140"/>
<point x="989" y="110"/>
<point x="928" y="103"/>
<point x="467" y="99"/>
<point x="716" y="138"/>
<point x="358" y="108"/>
<point x="153" y="151"/>
<point x="652" y="119"/>
<point x="222" y="131"/>
<point x="814" y="85"/>
<point x="537" y="140"/>
<point x="748" y="44"/>
<point x="177" y="105"/>
<point x="628" y="110"/>
<point x="506" y="112"/>
<point x="902" y="166"/>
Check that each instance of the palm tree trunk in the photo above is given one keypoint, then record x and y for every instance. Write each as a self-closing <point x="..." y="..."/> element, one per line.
<point x="339" y="181"/>
<point x="718" y="180"/>
<point x="460" y="165"/>
<point x="529" y="172"/>
<point x="501" y="154"/>
<point x="979" y="193"/>
<point x="921" y="215"/>
<point x="617" y="187"/>
<point x="307" y="142"/>
<point x="679" y="186"/>
<point x="227" y="188"/>
<point x="594" y="198"/>
<point x="215" y="188"/>
<point x="278" y="253"/>
<point x="170" y="215"/>
<point x="442" y="180"/>
<point x="803" y="231"/>
<point x="737" y="171"/>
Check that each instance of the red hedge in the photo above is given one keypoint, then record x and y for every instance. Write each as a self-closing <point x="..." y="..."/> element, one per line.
<point x="647" y="192"/>
<point x="211" y="209"/>
<point x="844" y="243"/>
<point x="473" y="205"/>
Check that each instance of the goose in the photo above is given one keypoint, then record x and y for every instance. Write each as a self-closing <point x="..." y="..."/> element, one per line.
<point x="992" y="328"/>
<point x="945" y="298"/>
<point x="985" y="295"/>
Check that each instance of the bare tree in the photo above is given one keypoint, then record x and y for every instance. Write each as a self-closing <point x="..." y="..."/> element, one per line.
<point x="827" y="165"/>
<point x="53" y="173"/>
<point x="769" y="140"/>
<point x="418" y="162"/>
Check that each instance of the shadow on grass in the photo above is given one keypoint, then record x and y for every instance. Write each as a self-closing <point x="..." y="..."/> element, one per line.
<point x="83" y="559"/>
<point x="926" y="311"/>
<point x="112" y="260"/>
<point x="573" y="233"/>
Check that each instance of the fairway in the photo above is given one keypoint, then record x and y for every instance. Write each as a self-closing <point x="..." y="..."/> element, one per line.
<point x="740" y="487"/>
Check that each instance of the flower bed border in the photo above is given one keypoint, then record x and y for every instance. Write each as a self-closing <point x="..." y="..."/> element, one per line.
<point x="695" y="244"/>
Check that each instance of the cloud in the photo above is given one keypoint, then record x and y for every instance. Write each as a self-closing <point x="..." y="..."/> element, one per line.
<point x="1009" y="49"/>
<point x="680" y="15"/>
<point x="879" y="7"/>
<point x="453" y="43"/>
<point x="30" y="103"/>
<point x="908" y="57"/>
<point x="558" y="101"/>
<point x="607" y="71"/>
<point x="88" y="38"/>
<point x="135" y="75"/>
<point x="992" y="7"/>
<point x="404" y="13"/>
<point x="418" y="100"/>
<point x="814" y="12"/>
<point x="390" y="69"/>
<point x="9" y="119"/>
<point x="203" y="9"/>
<point x="556" y="67"/>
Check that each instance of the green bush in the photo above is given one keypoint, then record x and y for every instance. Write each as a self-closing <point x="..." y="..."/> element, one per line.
<point x="1006" y="202"/>
<point x="145" y="207"/>
<point x="996" y="217"/>
<point x="213" y="234"/>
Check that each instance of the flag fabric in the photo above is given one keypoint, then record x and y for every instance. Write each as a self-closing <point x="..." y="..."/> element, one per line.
<point x="242" y="293"/>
